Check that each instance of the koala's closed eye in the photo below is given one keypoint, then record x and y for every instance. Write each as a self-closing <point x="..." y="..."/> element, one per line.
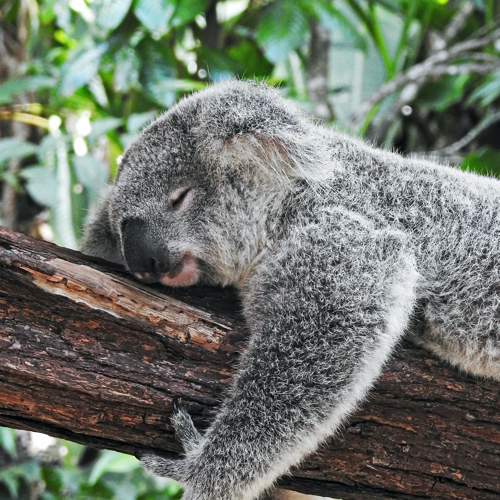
<point x="181" y="198"/>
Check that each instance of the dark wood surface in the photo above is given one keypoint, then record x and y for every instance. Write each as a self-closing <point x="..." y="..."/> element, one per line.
<point x="89" y="355"/>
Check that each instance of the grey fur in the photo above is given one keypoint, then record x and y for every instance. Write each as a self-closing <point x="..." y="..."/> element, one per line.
<point x="335" y="248"/>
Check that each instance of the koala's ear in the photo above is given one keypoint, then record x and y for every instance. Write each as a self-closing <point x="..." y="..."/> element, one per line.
<point x="243" y="123"/>
<point x="99" y="239"/>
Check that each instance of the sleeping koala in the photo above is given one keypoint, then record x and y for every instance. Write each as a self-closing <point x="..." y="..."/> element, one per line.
<point x="334" y="246"/>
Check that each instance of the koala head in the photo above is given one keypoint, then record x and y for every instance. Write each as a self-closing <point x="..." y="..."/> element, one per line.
<point x="194" y="193"/>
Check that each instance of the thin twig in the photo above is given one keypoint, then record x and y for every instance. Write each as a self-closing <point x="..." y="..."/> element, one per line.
<point x="469" y="137"/>
<point x="434" y="65"/>
<point x="458" y="21"/>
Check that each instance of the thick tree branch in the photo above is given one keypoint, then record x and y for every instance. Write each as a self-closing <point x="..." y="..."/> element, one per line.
<point x="89" y="355"/>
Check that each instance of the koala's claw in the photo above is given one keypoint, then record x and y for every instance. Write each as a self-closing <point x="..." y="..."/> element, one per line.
<point x="175" y="405"/>
<point x="185" y="430"/>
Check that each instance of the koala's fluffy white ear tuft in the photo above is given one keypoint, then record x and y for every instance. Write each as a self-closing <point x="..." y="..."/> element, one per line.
<point x="245" y="125"/>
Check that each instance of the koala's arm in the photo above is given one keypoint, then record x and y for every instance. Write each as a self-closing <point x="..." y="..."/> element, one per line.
<point x="325" y="311"/>
<point x="99" y="240"/>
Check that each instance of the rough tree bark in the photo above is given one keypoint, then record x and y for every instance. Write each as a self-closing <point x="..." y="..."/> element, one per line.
<point x="89" y="355"/>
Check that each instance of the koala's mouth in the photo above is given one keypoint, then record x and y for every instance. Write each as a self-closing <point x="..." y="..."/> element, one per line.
<point x="184" y="273"/>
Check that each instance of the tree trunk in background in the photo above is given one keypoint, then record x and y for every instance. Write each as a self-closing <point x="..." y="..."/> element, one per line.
<point x="317" y="72"/>
<point x="13" y="41"/>
<point x="89" y="355"/>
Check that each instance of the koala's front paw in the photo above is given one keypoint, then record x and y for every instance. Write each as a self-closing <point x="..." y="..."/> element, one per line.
<point x="185" y="430"/>
<point x="203" y="472"/>
<point x="189" y="437"/>
<point x="174" y="469"/>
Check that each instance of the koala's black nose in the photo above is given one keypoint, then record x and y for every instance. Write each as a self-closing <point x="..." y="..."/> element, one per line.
<point x="145" y="254"/>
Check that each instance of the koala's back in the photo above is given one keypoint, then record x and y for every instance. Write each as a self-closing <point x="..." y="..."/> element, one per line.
<point x="452" y="220"/>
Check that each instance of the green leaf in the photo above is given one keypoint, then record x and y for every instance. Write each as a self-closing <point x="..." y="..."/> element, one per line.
<point x="138" y="120"/>
<point x="10" y="481"/>
<point x="446" y="91"/>
<point x="11" y="476"/>
<point x="110" y="13"/>
<point x="10" y="88"/>
<point x="13" y="149"/>
<point x="187" y="11"/>
<point x="90" y="172"/>
<point x="485" y="161"/>
<point x="111" y="461"/>
<point x="126" y="70"/>
<point x="61" y="207"/>
<point x="155" y="15"/>
<point x="47" y="149"/>
<point x="102" y="126"/>
<point x="8" y="440"/>
<point x="338" y="24"/>
<point x="52" y="478"/>
<point x="41" y="184"/>
<point x="282" y="28"/>
<point x="487" y="92"/>
<point x="80" y="70"/>
<point x="73" y="482"/>
<point x="158" y="75"/>
<point x="255" y="63"/>
<point x="219" y="64"/>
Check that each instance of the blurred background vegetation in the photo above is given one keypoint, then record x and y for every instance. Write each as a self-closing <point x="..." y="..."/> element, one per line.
<point x="80" y="78"/>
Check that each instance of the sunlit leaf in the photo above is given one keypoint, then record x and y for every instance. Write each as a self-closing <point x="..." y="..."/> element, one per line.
<point x="126" y="70"/>
<point x="255" y="63"/>
<point x="11" y="476"/>
<point x="12" y="149"/>
<point x="91" y="173"/>
<point x="96" y="86"/>
<point x="446" y="91"/>
<point x="110" y="461"/>
<point x="102" y="126"/>
<point x="41" y="184"/>
<point x="282" y="28"/>
<point x="158" y="74"/>
<point x="61" y="208"/>
<point x="10" y="481"/>
<point x="8" y="440"/>
<point x="138" y="120"/>
<point x="484" y="161"/>
<point x="52" y="478"/>
<point x="172" y="490"/>
<point x="220" y="65"/>
<point x="81" y="69"/>
<point x="10" y="88"/>
<point x="187" y="11"/>
<point x="487" y="92"/>
<point x="337" y="23"/>
<point x="155" y="15"/>
<point x="47" y="149"/>
<point x="110" y="13"/>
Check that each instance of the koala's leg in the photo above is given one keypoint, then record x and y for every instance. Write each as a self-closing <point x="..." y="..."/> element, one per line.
<point x="325" y="311"/>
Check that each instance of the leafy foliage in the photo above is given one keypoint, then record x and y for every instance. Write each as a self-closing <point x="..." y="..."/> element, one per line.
<point x="58" y="474"/>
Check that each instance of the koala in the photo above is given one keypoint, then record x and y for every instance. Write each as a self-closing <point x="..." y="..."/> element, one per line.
<point x="337" y="250"/>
